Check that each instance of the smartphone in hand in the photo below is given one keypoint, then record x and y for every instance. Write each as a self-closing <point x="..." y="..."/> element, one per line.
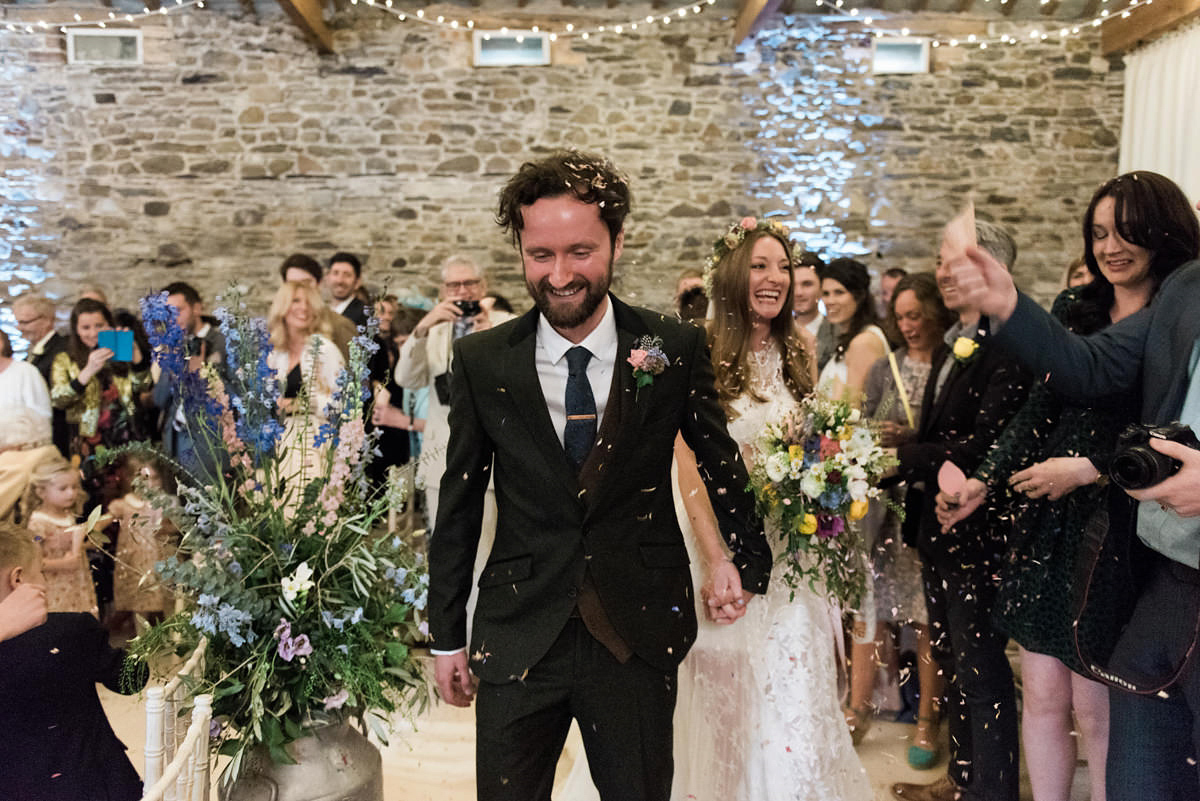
<point x="119" y="342"/>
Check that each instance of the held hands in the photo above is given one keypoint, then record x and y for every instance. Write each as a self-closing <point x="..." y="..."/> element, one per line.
<point x="954" y="508"/>
<point x="1181" y="492"/>
<point x="1055" y="477"/>
<point x="455" y="683"/>
<point x="985" y="284"/>
<point x="724" y="599"/>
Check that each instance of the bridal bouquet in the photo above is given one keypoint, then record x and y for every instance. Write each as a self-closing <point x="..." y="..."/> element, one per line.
<point x="814" y="471"/>
<point x="307" y="606"/>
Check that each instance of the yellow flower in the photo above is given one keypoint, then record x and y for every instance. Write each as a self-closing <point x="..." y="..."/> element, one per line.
<point x="964" y="348"/>
<point x="796" y="452"/>
<point x="858" y="510"/>
<point x="808" y="525"/>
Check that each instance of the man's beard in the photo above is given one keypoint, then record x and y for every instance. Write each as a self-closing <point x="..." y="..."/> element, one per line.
<point x="564" y="316"/>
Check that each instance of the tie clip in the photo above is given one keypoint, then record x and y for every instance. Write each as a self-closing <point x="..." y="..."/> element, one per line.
<point x="581" y="417"/>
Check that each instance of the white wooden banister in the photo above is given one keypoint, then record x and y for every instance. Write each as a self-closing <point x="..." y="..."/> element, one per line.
<point x="186" y="777"/>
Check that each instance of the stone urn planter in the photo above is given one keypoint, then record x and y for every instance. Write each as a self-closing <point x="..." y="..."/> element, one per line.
<point x="334" y="763"/>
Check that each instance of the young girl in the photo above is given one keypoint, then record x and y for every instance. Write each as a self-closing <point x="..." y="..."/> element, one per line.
<point x="141" y="542"/>
<point x="53" y="501"/>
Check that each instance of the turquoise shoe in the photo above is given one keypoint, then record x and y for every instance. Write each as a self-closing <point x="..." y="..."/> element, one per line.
<point x="921" y="757"/>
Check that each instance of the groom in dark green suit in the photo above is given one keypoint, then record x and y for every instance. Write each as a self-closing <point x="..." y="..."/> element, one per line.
<point x="586" y="604"/>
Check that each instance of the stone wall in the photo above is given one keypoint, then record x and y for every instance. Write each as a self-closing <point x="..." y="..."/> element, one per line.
<point x="236" y="144"/>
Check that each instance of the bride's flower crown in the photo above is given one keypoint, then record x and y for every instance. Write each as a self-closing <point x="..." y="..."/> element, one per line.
<point x="729" y="241"/>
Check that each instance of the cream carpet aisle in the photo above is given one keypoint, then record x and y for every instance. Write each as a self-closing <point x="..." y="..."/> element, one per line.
<point x="436" y="761"/>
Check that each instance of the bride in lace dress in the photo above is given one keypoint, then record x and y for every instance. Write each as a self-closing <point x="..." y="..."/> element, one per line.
<point x="757" y="716"/>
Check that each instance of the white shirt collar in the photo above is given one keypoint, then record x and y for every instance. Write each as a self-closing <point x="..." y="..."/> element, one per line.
<point x="601" y="342"/>
<point x="203" y="330"/>
<point x="340" y="306"/>
<point x="40" y="347"/>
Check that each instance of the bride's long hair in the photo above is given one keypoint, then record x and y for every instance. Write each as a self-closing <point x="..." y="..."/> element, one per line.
<point x="732" y="321"/>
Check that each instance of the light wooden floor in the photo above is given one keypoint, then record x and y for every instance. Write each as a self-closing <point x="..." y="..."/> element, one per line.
<point x="435" y="762"/>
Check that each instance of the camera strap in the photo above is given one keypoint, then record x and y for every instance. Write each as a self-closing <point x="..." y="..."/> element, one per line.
<point x="1108" y="550"/>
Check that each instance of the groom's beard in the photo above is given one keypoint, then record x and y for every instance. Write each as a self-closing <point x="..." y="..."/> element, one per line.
<point x="567" y="316"/>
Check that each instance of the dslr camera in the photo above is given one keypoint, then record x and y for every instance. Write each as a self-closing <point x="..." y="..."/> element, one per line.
<point x="1136" y="465"/>
<point x="469" y="308"/>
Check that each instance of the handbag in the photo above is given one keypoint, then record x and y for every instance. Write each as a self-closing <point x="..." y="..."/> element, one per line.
<point x="1109" y="576"/>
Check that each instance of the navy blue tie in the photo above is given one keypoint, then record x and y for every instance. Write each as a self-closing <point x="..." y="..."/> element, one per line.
<point x="580" y="432"/>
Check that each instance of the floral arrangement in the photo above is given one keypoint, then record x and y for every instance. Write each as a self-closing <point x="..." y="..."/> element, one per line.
<point x="728" y="242"/>
<point x="306" y="605"/>
<point x="647" y="360"/>
<point x="814" y="472"/>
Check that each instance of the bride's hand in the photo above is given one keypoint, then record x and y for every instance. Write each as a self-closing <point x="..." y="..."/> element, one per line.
<point x="724" y="599"/>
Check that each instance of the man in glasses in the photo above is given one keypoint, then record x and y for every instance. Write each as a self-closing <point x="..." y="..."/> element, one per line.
<point x="425" y="362"/>
<point x="35" y="315"/>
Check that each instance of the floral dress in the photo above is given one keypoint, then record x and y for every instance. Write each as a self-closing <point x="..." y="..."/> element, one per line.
<point x="68" y="589"/>
<point x="140" y="545"/>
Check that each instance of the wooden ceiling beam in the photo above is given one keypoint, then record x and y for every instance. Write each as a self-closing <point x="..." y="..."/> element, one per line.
<point x="308" y="17"/>
<point x="1119" y="34"/>
<point x="749" y="14"/>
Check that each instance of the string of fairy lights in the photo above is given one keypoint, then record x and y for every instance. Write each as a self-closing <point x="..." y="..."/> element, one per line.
<point x="1037" y="32"/>
<point x="868" y="19"/>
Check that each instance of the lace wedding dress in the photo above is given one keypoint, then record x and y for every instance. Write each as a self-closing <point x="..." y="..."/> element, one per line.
<point x="757" y="717"/>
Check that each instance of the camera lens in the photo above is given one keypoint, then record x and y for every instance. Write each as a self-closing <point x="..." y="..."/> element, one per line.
<point x="1140" y="467"/>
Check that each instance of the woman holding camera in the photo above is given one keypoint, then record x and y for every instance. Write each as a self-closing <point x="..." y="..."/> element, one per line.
<point x="1053" y="456"/>
<point x="97" y="392"/>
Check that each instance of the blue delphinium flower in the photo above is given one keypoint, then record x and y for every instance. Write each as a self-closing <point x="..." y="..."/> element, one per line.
<point x="161" y="321"/>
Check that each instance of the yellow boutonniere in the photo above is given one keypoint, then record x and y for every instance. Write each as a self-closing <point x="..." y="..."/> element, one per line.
<point x="964" y="349"/>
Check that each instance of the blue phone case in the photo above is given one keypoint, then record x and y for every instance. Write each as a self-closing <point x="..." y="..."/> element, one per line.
<point x="119" y="342"/>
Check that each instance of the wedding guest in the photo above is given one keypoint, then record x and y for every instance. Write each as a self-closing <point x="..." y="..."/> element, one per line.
<point x="1077" y="273"/>
<point x="757" y="716"/>
<point x="58" y="744"/>
<point x="425" y="361"/>
<point x="343" y="280"/>
<point x="307" y="364"/>
<point x="585" y="605"/>
<point x="24" y="425"/>
<point x="143" y="541"/>
<point x="304" y="269"/>
<point x="385" y="308"/>
<point x="98" y="393"/>
<point x="894" y="389"/>
<point x="973" y="392"/>
<point x="93" y="292"/>
<point x="1054" y="453"/>
<point x="806" y="301"/>
<point x="35" y="316"/>
<point x="185" y="438"/>
<point x="887" y="286"/>
<point x="685" y="286"/>
<point x="859" y="341"/>
<point x="393" y="411"/>
<point x="53" y="502"/>
<point x="22" y="609"/>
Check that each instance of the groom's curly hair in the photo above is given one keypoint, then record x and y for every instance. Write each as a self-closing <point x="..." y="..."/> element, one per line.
<point x="589" y="177"/>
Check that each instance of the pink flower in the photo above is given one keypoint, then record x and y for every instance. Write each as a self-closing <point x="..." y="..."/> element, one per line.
<point x="637" y="358"/>
<point x="829" y="448"/>
<point x="337" y="700"/>
<point x="748" y="223"/>
<point x="284" y="629"/>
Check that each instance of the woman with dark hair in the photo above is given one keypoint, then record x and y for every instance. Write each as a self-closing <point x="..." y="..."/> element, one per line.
<point x="859" y="342"/>
<point x="893" y="392"/>
<point x="98" y="393"/>
<point x="1138" y="228"/>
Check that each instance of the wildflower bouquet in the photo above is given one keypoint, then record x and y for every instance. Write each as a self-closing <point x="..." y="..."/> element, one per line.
<point x="814" y="472"/>
<point x="306" y="607"/>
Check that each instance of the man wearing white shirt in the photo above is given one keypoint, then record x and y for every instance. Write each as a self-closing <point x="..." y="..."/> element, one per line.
<point x="343" y="279"/>
<point x="585" y="605"/>
<point x="25" y="434"/>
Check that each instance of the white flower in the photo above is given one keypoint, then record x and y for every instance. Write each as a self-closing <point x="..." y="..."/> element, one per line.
<point x="855" y="473"/>
<point x="813" y="483"/>
<point x="777" y="466"/>
<point x="859" y="489"/>
<point x="299" y="582"/>
<point x="855" y="414"/>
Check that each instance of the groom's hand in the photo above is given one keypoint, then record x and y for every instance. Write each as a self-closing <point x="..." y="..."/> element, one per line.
<point x="724" y="599"/>
<point x="455" y="683"/>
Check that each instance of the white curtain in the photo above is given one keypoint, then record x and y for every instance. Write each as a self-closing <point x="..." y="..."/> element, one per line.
<point x="1162" y="109"/>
